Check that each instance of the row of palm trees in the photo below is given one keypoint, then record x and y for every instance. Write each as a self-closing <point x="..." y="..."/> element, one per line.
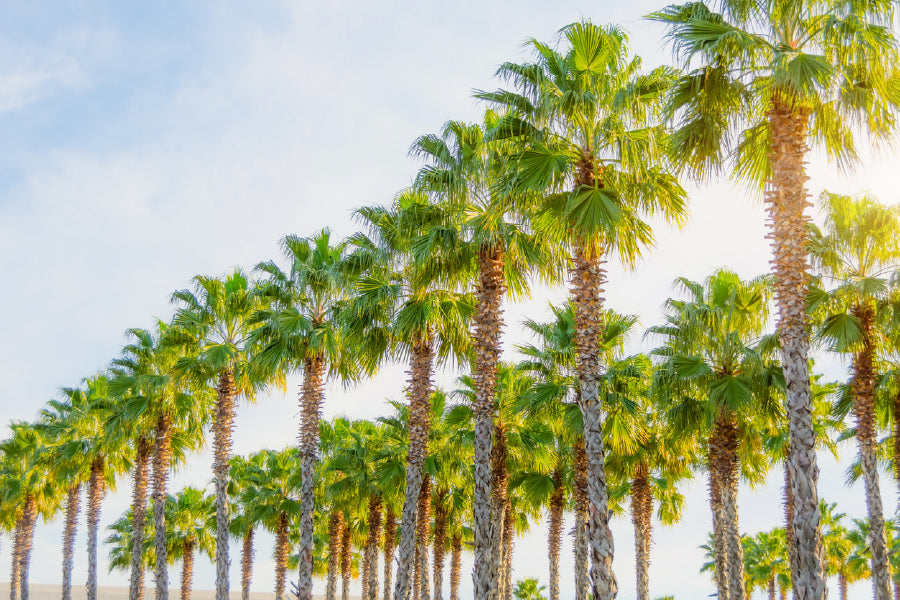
<point x="573" y="157"/>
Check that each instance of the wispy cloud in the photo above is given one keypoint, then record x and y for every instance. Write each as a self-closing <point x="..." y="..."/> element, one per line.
<point x="31" y="74"/>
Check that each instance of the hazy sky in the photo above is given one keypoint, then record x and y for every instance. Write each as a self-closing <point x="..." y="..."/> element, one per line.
<point x="145" y="143"/>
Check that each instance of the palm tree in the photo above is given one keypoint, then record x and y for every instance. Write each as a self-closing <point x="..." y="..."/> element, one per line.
<point x="714" y="383"/>
<point x="242" y="487"/>
<point x="188" y="518"/>
<point x="402" y="307"/>
<point x="302" y="333"/>
<point x="859" y="245"/>
<point x="272" y="499"/>
<point x="770" y="78"/>
<point x="463" y="170"/>
<point x="121" y="545"/>
<point x="31" y="490"/>
<point x="838" y="546"/>
<point x="217" y="317"/>
<point x="766" y="560"/>
<point x="153" y="400"/>
<point x="597" y="150"/>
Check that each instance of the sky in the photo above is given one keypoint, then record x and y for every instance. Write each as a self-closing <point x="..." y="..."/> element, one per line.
<point x="145" y="143"/>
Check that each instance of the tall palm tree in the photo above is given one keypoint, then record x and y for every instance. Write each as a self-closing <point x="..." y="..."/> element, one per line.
<point x="715" y="381"/>
<point x="217" y="320"/>
<point x="301" y="332"/>
<point x="160" y="409"/>
<point x="463" y="170"/>
<point x="857" y="249"/>
<point x="188" y="519"/>
<point x="597" y="151"/>
<point x="405" y="308"/>
<point x="765" y="80"/>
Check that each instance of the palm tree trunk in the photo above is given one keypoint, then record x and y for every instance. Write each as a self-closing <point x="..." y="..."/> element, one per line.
<point x="138" y="516"/>
<point x="786" y="200"/>
<point x="782" y="591"/>
<point x="246" y="563"/>
<point x="554" y="529"/>
<point x="719" y="535"/>
<point x="96" y="491"/>
<point x="509" y="536"/>
<point x="455" y="565"/>
<point x="440" y="543"/>
<point x="16" y="575"/>
<point x="580" y="546"/>
<point x="390" y="535"/>
<point x="486" y="332"/>
<point x="842" y="585"/>
<point x="422" y="533"/>
<point x="864" y="410"/>
<point x="641" y="518"/>
<point x="224" y="422"/>
<point x="345" y="563"/>
<point x="335" y="526"/>
<point x="587" y="279"/>
<point x="772" y="587"/>
<point x="364" y="574"/>
<point x="187" y="569"/>
<point x="417" y="574"/>
<point x="725" y="442"/>
<point x="789" y="509"/>
<point x="311" y="398"/>
<point x="29" y="514"/>
<point x="896" y="435"/>
<point x="500" y="502"/>
<point x="371" y="592"/>
<point x="73" y="501"/>
<point x="282" y="548"/>
<point x="419" y="391"/>
<point x="162" y="460"/>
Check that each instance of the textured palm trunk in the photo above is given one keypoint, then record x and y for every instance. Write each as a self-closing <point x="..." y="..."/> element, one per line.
<point x="554" y="529"/>
<point x="282" y="549"/>
<point x="222" y="429"/>
<point x="486" y="332"/>
<point x="772" y="588"/>
<point x="842" y="585"/>
<point x="587" y="279"/>
<point x="500" y="498"/>
<point x="509" y="536"/>
<point x="390" y="535"/>
<point x="641" y="518"/>
<point x="423" y="531"/>
<point x="419" y="392"/>
<point x="138" y="516"/>
<point x="440" y="542"/>
<point x="417" y="574"/>
<point x="789" y="524"/>
<point x="896" y="435"/>
<point x="864" y="410"/>
<point x="786" y="201"/>
<point x="73" y="501"/>
<point x="29" y="514"/>
<point x="375" y="505"/>
<point x="335" y="526"/>
<point x="16" y="575"/>
<point x="246" y="563"/>
<point x="720" y="552"/>
<point x="162" y="461"/>
<point x="725" y="440"/>
<point x="187" y="569"/>
<point x="346" y="571"/>
<point x="580" y="546"/>
<point x="96" y="491"/>
<point x="311" y="398"/>
<point x="455" y="565"/>
<point x="782" y="591"/>
<point x="364" y="575"/>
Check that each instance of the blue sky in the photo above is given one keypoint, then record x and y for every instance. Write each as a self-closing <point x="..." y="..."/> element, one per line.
<point x="145" y="143"/>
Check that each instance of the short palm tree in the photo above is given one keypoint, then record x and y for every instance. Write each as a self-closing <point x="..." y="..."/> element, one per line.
<point x="242" y="486"/>
<point x="302" y="332"/>
<point x="766" y="560"/>
<point x="404" y="307"/>
<point x="596" y="150"/>
<point x="714" y="381"/>
<point x="765" y="79"/>
<point x="857" y="250"/>
<point x="216" y="321"/>
<point x="188" y="519"/>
